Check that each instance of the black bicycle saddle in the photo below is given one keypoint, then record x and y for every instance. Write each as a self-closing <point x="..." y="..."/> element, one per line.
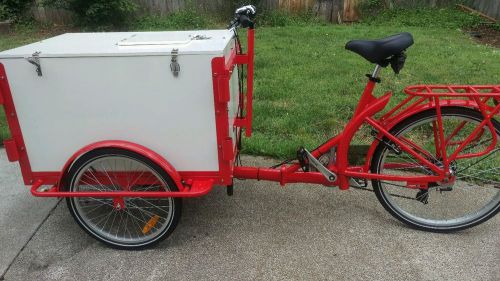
<point x="378" y="51"/>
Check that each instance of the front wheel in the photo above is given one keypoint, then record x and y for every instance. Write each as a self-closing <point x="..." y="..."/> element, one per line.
<point x="125" y="223"/>
<point x="474" y="195"/>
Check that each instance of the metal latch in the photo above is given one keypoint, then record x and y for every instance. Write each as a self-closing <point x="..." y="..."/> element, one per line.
<point x="174" y="65"/>
<point x="35" y="60"/>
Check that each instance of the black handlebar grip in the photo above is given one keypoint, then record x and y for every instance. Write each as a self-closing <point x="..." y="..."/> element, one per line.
<point x="246" y="22"/>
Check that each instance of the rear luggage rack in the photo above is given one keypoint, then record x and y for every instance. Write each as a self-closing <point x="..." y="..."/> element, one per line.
<point x="454" y="90"/>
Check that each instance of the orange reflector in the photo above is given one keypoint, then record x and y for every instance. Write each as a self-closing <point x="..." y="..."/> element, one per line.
<point x="150" y="224"/>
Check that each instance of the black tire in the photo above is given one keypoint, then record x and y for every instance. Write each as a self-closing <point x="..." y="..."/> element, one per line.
<point x="384" y="196"/>
<point x="175" y="204"/>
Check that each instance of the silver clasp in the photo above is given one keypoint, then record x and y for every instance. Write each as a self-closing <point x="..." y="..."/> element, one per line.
<point x="35" y="60"/>
<point x="174" y="65"/>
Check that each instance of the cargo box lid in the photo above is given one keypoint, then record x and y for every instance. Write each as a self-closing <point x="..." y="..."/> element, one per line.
<point x="126" y="44"/>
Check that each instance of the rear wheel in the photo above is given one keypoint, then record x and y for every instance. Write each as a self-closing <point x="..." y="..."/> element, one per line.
<point x="127" y="223"/>
<point x="472" y="198"/>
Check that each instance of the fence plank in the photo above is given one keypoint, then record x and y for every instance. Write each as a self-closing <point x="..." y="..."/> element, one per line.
<point x="351" y="12"/>
<point x="50" y="15"/>
<point x="489" y="7"/>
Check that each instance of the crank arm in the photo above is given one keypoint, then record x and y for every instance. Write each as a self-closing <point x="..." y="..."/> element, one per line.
<point x="329" y="175"/>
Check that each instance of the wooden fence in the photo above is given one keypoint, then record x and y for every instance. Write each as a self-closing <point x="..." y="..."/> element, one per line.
<point x="330" y="10"/>
<point x="489" y="7"/>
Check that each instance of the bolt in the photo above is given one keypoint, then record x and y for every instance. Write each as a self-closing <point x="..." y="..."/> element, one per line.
<point x="2" y="77"/>
<point x="12" y="114"/>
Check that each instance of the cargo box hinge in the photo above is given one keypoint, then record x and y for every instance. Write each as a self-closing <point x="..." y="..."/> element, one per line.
<point x="174" y="65"/>
<point x="35" y="60"/>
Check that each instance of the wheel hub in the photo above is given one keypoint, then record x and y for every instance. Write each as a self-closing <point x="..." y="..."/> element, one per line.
<point x="119" y="203"/>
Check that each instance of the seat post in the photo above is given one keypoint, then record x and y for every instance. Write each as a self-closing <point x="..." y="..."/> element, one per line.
<point x="367" y="95"/>
<point x="376" y="71"/>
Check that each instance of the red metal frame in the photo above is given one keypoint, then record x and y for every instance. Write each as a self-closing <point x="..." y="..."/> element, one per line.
<point x="191" y="184"/>
<point x="421" y="97"/>
<point x="15" y="147"/>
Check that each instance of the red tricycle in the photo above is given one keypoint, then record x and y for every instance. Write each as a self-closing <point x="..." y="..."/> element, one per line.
<point x="433" y="162"/>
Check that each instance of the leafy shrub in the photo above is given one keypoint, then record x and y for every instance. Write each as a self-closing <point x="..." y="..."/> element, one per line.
<point x="4" y="14"/>
<point x="370" y="8"/>
<point x="14" y="9"/>
<point x="425" y="17"/>
<point x="98" y="13"/>
<point x="284" y="18"/>
<point x="187" y="19"/>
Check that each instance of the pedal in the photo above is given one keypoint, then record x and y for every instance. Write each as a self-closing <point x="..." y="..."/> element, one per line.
<point x="358" y="183"/>
<point x="312" y="161"/>
<point x="303" y="161"/>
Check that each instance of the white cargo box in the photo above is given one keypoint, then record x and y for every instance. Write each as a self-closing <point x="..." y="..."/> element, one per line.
<point x="93" y="87"/>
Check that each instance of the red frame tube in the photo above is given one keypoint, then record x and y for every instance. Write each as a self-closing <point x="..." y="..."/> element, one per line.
<point x="420" y="98"/>
<point x="198" y="188"/>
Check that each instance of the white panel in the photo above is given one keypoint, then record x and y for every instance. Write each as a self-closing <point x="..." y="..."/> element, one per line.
<point x="83" y="100"/>
<point x="233" y="103"/>
<point x="233" y="91"/>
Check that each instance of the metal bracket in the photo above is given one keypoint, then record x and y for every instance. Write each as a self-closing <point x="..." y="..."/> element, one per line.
<point x="35" y="60"/>
<point x="174" y="65"/>
<point x="329" y="175"/>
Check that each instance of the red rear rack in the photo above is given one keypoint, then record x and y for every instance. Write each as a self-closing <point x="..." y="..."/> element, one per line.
<point x="454" y="90"/>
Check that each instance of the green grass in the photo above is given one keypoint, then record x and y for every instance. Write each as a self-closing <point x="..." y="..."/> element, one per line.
<point x="307" y="85"/>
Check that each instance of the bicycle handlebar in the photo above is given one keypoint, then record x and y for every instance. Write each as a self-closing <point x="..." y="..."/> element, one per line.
<point x="244" y="16"/>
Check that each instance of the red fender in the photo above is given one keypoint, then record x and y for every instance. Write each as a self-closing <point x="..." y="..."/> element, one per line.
<point x="144" y="151"/>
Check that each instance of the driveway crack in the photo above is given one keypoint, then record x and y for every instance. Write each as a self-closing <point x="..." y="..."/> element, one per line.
<point x="2" y="277"/>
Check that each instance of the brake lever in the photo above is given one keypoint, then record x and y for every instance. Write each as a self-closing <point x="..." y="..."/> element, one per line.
<point x="234" y="23"/>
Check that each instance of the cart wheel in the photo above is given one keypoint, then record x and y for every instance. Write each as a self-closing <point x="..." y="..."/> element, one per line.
<point x="125" y="223"/>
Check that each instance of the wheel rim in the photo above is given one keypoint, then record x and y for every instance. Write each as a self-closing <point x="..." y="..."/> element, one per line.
<point x="475" y="193"/>
<point x="141" y="220"/>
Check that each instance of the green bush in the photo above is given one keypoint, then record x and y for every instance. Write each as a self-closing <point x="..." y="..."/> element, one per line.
<point x="425" y="17"/>
<point x="98" y="13"/>
<point x="188" y="19"/>
<point x="14" y="9"/>
<point x="284" y="18"/>
<point x="4" y="14"/>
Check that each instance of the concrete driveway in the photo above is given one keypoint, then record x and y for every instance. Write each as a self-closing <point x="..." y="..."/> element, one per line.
<point x="263" y="232"/>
